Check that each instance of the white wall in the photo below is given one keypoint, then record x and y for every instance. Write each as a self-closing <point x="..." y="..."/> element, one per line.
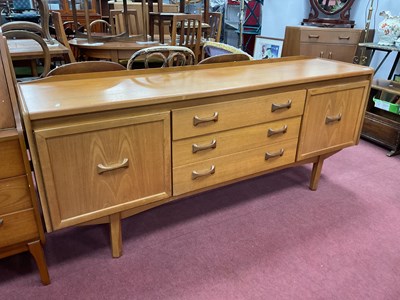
<point x="277" y="14"/>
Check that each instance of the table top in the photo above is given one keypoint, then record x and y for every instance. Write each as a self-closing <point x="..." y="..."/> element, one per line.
<point x="126" y="45"/>
<point x="29" y="49"/>
<point x="379" y="47"/>
<point x="138" y="88"/>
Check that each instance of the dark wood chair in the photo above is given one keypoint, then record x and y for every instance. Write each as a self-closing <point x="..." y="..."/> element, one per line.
<point x="186" y="31"/>
<point x="231" y="57"/>
<point x="86" y="67"/>
<point x="161" y="57"/>
<point x="215" y="22"/>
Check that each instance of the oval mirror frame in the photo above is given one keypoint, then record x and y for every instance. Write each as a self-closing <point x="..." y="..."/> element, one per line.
<point x="323" y="6"/>
<point x="329" y="17"/>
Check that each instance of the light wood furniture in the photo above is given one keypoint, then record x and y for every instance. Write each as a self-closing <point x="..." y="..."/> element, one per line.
<point x="20" y="224"/>
<point x="117" y="26"/>
<point x="223" y="58"/>
<point x="132" y="140"/>
<point x="86" y="67"/>
<point x="186" y="31"/>
<point x="332" y="43"/>
<point x="61" y="37"/>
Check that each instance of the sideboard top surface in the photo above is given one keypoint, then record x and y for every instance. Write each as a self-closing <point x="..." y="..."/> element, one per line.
<point x="65" y="96"/>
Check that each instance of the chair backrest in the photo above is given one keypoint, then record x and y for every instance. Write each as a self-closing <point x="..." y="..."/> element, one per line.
<point x="186" y="31"/>
<point x="230" y="57"/>
<point x="215" y="22"/>
<point x="22" y="5"/>
<point x="22" y="34"/>
<point x="100" y="25"/>
<point x="60" y="33"/>
<point x="22" y="25"/>
<point x="162" y="56"/>
<point x="214" y="48"/>
<point x="86" y="67"/>
<point x="150" y="4"/>
<point x="117" y="21"/>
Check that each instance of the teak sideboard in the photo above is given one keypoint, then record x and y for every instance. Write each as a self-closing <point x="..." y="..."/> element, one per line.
<point x="106" y="146"/>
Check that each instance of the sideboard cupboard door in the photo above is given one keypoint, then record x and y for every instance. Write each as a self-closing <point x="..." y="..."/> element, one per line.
<point x="332" y="118"/>
<point x="91" y="170"/>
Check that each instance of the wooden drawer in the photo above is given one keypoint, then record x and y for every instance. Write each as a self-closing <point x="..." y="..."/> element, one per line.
<point x="228" y="142"/>
<point x="331" y="36"/>
<point x="344" y="53"/>
<point x="233" y="166"/>
<point x="14" y="195"/>
<point x="332" y="118"/>
<point x="113" y="165"/>
<point x="235" y="114"/>
<point x="11" y="161"/>
<point x="17" y="227"/>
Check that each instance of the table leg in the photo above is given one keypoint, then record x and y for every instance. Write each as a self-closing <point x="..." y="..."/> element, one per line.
<point x="316" y="173"/>
<point x="116" y="235"/>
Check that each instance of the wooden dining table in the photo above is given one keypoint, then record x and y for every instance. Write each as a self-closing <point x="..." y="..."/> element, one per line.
<point x="114" y="51"/>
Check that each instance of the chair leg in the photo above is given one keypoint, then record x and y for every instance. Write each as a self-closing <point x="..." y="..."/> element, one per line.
<point x="161" y="30"/>
<point x="151" y="27"/>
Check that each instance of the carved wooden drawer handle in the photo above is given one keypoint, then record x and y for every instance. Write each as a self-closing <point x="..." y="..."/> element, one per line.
<point x="344" y="37"/>
<point x="287" y="105"/>
<point x="269" y="155"/>
<point x="196" y="148"/>
<point x="1" y="222"/>
<point x="102" y="168"/>
<point x="330" y="55"/>
<point x="197" y="120"/>
<point x="313" y="36"/>
<point x="321" y="54"/>
<point x="277" y="131"/>
<point x="330" y="119"/>
<point x="196" y="174"/>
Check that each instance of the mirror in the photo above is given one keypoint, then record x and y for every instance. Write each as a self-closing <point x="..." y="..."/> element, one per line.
<point x="334" y="13"/>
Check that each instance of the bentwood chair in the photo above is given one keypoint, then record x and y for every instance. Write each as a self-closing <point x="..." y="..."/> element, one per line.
<point x="161" y="56"/>
<point x="186" y="31"/>
<point x="230" y="57"/>
<point x="27" y="35"/>
<point x="211" y="48"/>
<point x="86" y="67"/>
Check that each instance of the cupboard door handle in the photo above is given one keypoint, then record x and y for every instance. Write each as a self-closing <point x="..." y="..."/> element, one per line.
<point x="330" y="55"/>
<point x="196" y="174"/>
<point x="344" y="37"/>
<point x="287" y="105"/>
<point x="313" y="36"/>
<point x="197" y="120"/>
<point x="269" y="155"/>
<point x="1" y="222"/>
<point x="321" y="54"/>
<point x="330" y="119"/>
<point x="277" y="131"/>
<point x="196" y="148"/>
<point x="102" y="168"/>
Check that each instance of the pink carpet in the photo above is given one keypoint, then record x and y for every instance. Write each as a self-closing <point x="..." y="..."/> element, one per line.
<point x="265" y="238"/>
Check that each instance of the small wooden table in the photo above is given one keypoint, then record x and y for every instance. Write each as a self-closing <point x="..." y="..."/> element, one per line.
<point x="114" y="51"/>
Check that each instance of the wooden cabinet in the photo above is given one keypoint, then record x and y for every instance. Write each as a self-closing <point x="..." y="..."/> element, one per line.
<point x="382" y="122"/>
<point x="65" y="8"/>
<point x="183" y="132"/>
<point x="331" y="43"/>
<point x="20" y="224"/>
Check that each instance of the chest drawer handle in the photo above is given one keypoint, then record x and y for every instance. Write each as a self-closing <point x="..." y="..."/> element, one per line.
<point x="287" y="105"/>
<point x="197" y="120"/>
<point x="269" y="155"/>
<point x="330" y="119"/>
<point x="277" y="131"/>
<point x="344" y="37"/>
<point x="1" y="222"/>
<point x="196" y="148"/>
<point x="313" y="36"/>
<point x="102" y="168"/>
<point x="196" y="174"/>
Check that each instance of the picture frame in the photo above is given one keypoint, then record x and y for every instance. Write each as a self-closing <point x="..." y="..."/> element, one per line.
<point x="267" y="47"/>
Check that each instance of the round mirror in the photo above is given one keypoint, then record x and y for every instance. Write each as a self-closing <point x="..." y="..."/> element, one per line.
<point x="333" y="13"/>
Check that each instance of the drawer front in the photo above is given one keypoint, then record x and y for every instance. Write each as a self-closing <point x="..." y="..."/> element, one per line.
<point x="332" y="118"/>
<point x="204" y="147"/>
<point x="206" y="119"/>
<point x="96" y="169"/>
<point x="11" y="161"/>
<point x="18" y="227"/>
<point x="224" y="168"/>
<point x="331" y="36"/>
<point x="14" y="195"/>
<point x="344" y="53"/>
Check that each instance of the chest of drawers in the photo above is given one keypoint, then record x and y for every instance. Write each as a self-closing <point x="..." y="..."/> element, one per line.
<point x="331" y="43"/>
<point x="150" y="137"/>
<point x="20" y="224"/>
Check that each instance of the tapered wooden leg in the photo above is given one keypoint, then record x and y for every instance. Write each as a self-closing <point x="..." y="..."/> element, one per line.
<point x="316" y="173"/>
<point x="116" y="235"/>
<point x="35" y="248"/>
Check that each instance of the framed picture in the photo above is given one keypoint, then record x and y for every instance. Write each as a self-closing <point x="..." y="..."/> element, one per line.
<point x="266" y="47"/>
